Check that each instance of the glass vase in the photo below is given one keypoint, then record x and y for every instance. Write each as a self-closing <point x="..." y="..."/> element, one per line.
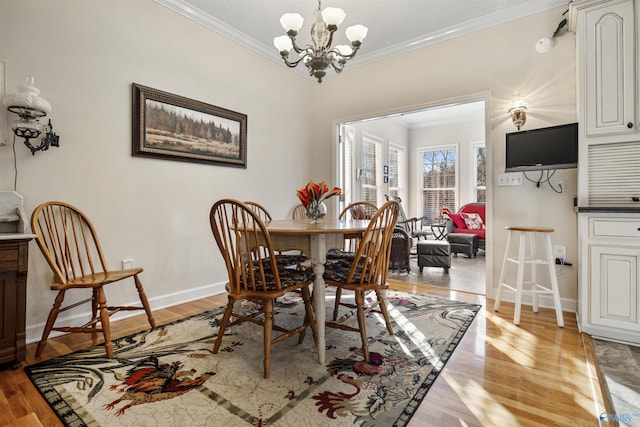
<point x="315" y="211"/>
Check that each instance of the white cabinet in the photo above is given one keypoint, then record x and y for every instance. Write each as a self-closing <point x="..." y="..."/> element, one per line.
<point x="608" y="172"/>
<point x="609" y="292"/>
<point x="606" y="48"/>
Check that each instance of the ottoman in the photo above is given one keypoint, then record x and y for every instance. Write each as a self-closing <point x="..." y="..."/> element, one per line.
<point x="465" y="243"/>
<point x="434" y="253"/>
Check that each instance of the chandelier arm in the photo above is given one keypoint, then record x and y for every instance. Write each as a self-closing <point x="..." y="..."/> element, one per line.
<point x="337" y="66"/>
<point x="337" y="53"/>
<point x="297" y="48"/>
<point x="293" y="64"/>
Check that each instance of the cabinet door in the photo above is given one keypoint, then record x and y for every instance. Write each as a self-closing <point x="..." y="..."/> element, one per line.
<point x="614" y="287"/>
<point x="609" y="61"/>
<point x="8" y="303"/>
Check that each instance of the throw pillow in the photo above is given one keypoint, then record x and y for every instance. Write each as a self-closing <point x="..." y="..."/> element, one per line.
<point x="457" y="220"/>
<point x="473" y="221"/>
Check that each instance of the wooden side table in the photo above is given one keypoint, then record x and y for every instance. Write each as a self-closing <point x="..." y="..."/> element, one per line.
<point x="14" y="257"/>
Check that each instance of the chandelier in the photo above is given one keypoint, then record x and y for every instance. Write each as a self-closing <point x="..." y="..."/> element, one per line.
<point x="319" y="55"/>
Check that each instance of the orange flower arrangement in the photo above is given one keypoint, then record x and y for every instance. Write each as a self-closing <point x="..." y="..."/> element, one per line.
<point x="312" y="195"/>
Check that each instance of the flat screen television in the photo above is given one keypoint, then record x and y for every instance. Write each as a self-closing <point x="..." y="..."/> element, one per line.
<point x="554" y="147"/>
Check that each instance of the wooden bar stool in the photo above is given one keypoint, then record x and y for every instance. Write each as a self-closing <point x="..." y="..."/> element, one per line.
<point x="522" y="260"/>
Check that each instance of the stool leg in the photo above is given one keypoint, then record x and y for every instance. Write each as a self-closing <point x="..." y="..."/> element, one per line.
<point x="520" y="277"/>
<point x="554" y="280"/>
<point x="496" y="304"/>
<point x="534" y="268"/>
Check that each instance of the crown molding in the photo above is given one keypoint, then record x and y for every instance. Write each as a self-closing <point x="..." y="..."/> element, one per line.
<point x="185" y="9"/>
<point x="509" y="14"/>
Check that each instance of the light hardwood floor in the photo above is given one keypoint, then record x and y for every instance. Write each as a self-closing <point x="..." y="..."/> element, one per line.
<point x="535" y="374"/>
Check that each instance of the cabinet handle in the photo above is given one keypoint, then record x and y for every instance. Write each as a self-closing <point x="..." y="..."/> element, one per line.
<point x="630" y="125"/>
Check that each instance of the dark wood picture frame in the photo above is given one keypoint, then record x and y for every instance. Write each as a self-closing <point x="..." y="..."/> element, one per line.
<point x="168" y="126"/>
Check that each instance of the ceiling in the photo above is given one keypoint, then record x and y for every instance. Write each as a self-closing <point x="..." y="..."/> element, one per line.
<point x="395" y="27"/>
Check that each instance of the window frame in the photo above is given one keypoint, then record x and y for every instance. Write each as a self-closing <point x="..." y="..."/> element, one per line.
<point x="420" y="175"/>
<point x="474" y="167"/>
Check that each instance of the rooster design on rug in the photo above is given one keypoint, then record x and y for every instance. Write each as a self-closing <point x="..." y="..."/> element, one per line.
<point x="152" y="381"/>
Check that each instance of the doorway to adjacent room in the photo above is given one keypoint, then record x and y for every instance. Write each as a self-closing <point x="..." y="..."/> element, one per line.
<point x="429" y="157"/>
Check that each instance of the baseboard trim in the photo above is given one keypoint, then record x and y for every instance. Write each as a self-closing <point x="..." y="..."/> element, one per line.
<point x="34" y="332"/>
<point x="544" y="301"/>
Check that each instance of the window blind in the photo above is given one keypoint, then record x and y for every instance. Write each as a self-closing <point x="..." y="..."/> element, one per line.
<point x="614" y="173"/>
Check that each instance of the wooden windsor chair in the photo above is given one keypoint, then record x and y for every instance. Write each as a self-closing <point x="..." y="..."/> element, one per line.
<point x="254" y="275"/>
<point x="71" y="247"/>
<point x="365" y="273"/>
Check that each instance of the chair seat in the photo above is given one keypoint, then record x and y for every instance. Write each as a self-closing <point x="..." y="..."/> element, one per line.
<point x="286" y="260"/>
<point x="97" y="279"/>
<point x="339" y="271"/>
<point x="339" y="254"/>
<point x="288" y="277"/>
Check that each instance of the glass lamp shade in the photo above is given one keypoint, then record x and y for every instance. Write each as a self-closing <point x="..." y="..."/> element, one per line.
<point x="283" y="43"/>
<point x="344" y="49"/>
<point x="356" y="33"/>
<point x="291" y="21"/>
<point x="27" y="97"/>
<point x="517" y="104"/>
<point x="333" y="16"/>
<point x="26" y="125"/>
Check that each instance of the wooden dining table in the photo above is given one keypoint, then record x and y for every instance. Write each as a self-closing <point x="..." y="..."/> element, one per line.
<point x="314" y="240"/>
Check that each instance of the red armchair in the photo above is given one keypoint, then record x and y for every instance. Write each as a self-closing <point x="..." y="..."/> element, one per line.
<point x="464" y="221"/>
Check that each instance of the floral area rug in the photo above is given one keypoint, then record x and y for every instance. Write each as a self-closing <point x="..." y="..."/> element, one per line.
<point x="169" y="376"/>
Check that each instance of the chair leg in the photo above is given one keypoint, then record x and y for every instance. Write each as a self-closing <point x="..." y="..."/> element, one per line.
<point x="336" y="306"/>
<point x="104" y="320"/>
<point x="223" y="325"/>
<point x="144" y="301"/>
<point x="382" y="302"/>
<point x="51" y="320"/>
<point x="268" y="325"/>
<point x="94" y="315"/>
<point x="309" y="318"/>
<point x="362" y="324"/>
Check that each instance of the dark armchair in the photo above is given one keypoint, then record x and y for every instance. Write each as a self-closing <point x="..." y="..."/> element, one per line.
<point x="400" y="250"/>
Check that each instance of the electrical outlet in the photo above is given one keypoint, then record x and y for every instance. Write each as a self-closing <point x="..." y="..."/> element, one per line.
<point x="560" y="251"/>
<point x="127" y="264"/>
<point x="510" y="179"/>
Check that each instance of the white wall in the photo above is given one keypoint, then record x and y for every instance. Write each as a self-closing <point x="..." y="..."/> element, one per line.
<point x="84" y="55"/>
<point x="499" y="61"/>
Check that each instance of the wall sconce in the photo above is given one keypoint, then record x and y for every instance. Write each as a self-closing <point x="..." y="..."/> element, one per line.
<point x="29" y="106"/>
<point x="518" y="111"/>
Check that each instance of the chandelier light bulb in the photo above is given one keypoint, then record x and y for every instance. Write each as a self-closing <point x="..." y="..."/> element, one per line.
<point x="344" y="49"/>
<point x="283" y="43"/>
<point x="356" y="33"/>
<point x="291" y="21"/>
<point x="333" y="16"/>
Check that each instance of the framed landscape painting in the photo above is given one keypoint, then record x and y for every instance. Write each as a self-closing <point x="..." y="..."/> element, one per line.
<point x="168" y="126"/>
